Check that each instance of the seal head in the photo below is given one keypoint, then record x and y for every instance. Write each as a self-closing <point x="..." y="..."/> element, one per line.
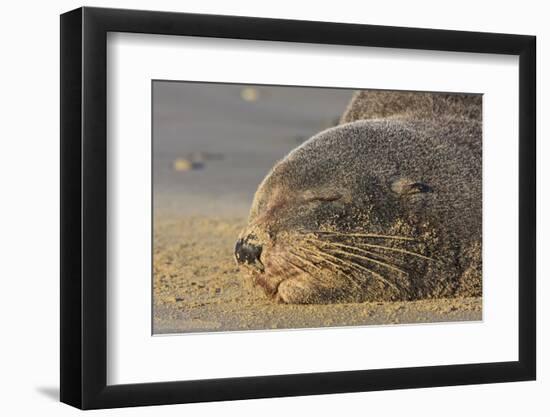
<point x="373" y="209"/>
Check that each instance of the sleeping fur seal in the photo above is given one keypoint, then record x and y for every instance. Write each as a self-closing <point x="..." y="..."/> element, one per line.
<point x="385" y="206"/>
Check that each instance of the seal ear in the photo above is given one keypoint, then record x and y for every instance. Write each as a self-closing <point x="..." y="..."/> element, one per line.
<point x="406" y="186"/>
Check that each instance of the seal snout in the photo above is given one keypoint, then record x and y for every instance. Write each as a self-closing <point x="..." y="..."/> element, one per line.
<point x="247" y="252"/>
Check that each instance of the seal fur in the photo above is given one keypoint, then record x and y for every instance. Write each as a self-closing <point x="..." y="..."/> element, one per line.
<point x="384" y="206"/>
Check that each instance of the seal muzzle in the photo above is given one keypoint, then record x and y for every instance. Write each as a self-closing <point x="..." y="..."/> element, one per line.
<point x="248" y="253"/>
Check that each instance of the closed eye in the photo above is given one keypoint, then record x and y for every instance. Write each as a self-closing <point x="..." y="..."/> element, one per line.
<point x="419" y="187"/>
<point x="330" y="197"/>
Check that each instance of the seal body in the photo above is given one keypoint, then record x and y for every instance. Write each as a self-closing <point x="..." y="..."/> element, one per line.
<point x="385" y="206"/>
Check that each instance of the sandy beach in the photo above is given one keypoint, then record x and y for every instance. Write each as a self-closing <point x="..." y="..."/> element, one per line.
<point x="198" y="288"/>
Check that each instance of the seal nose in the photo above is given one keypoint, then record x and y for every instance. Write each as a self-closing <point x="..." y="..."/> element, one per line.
<point x="246" y="252"/>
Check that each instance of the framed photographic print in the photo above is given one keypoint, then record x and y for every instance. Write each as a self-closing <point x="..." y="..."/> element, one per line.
<point x="256" y="208"/>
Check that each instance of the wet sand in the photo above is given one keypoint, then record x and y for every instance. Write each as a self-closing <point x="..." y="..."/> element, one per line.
<point x="198" y="288"/>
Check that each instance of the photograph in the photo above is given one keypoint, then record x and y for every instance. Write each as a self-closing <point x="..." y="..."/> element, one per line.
<point x="291" y="207"/>
<point x="265" y="205"/>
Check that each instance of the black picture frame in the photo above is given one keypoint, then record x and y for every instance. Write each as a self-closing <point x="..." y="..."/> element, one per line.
<point x="84" y="207"/>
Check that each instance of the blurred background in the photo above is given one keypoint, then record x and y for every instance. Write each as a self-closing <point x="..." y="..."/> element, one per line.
<point x="214" y="143"/>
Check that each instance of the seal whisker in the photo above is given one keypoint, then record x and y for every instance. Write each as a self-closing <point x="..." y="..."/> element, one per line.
<point x="277" y="270"/>
<point x="338" y="268"/>
<point x="407" y="252"/>
<point x="304" y="260"/>
<point x="368" y="259"/>
<point x="365" y="235"/>
<point x="352" y="264"/>
<point x="378" y="256"/>
<point x="367" y="252"/>
<point x="335" y="265"/>
<point x="297" y="267"/>
<point x="315" y="266"/>
<point x="320" y="254"/>
<point x="281" y="267"/>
